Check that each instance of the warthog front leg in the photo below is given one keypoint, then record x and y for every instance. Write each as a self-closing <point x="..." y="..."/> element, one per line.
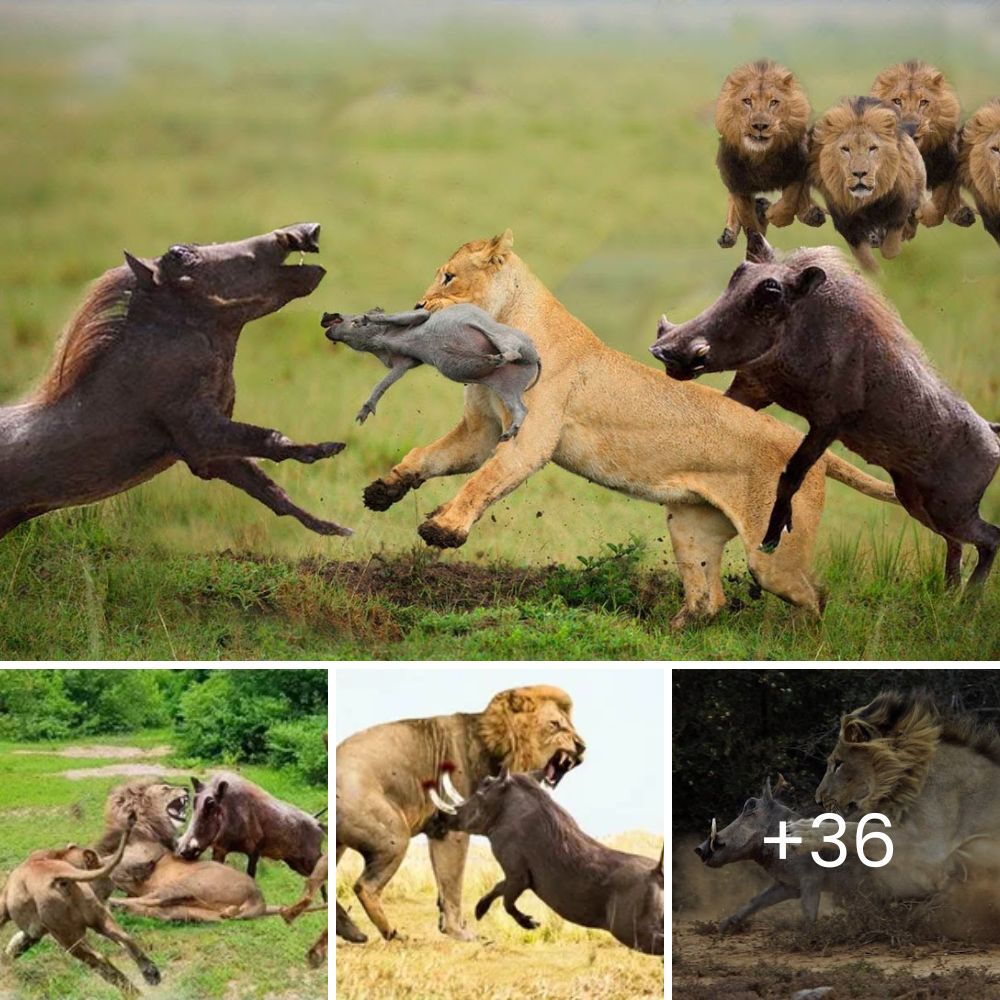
<point x="772" y="895"/>
<point x="244" y="474"/>
<point x="399" y="369"/>
<point x="482" y="907"/>
<point x="510" y="888"/>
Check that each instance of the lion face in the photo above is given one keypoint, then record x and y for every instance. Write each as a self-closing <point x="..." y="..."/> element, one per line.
<point x="849" y="781"/>
<point x="474" y="273"/>
<point x="530" y="729"/>
<point x="981" y="138"/>
<point x="160" y="809"/>
<point x="761" y="108"/>
<point x="922" y="98"/>
<point x="858" y="144"/>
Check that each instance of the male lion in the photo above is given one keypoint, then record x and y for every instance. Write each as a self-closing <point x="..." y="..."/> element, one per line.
<point x="926" y="102"/>
<point x="383" y="773"/>
<point x="980" y="163"/>
<point x="158" y="883"/>
<point x="762" y="116"/>
<point x="935" y="776"/>
<point x="604" y="416"/>
<point x="871" y="174"/>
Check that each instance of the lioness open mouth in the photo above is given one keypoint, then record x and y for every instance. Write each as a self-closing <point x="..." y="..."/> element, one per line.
<point x="559" y="765"/>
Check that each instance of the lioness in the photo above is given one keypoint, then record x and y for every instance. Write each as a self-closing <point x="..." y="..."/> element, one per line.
<point x="604" y="416"/>
<point x="935" y="776"/>
<point x="383" y="773"/>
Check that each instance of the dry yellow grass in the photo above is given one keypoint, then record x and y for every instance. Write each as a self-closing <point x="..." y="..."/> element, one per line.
<point x="559" y="961"/>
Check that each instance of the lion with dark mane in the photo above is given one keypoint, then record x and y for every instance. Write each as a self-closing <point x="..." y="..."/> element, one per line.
<point x="926" y="102"/>
<point x="871" y="174"/>
<point x="384" y="773"/>
<point x="934" y="774"/>
<point x="762" y="116"/>
<point x="980" y="163"/>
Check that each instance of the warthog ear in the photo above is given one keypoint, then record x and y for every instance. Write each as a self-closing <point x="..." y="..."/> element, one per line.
<point x="221" y="790"/>
<point x="147" y="277"/>
<point x="196" y="785"/>
<point x="808" y="281"/>
<point x="766" y="794"/>
<point x="759" y="251"/>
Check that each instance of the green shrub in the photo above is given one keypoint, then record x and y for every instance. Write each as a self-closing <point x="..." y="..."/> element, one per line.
<point x="299" y="745"/>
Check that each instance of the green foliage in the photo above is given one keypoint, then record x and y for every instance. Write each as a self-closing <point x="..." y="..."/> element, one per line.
<point x="610" y="581"/>
<point x="299" y="745"/>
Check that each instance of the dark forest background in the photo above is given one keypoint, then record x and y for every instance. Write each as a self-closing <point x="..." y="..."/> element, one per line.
<point x="732" y="727"/>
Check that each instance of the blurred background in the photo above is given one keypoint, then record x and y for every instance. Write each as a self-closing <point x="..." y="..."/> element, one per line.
<point x="406" y="130"/>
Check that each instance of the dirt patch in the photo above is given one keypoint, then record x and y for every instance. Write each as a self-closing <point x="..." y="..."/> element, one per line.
<point x="124" y="770"/>
<point x="99" y="752"/>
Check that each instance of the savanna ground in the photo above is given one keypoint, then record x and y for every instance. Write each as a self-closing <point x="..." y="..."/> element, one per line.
<point x="406" y="131"/>
<point x="904" y="950"/>
<point x="559" y="961"/>
<point x="234" y="960"/>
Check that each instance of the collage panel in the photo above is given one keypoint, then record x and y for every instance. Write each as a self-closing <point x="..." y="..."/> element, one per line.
<point x="834" y="833"/>
<point x="163" y="833"/>
<point x="500" y="832"/>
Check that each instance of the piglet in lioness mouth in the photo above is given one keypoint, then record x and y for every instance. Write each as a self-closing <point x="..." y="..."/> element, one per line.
<point x="464" y="343"/>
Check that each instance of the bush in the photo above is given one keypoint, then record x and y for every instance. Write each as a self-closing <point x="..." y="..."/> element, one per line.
<point x="299" y="745"/>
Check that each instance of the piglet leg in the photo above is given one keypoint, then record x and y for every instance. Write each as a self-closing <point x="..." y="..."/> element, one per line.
<point x="413" y="317"/>
<point x="806" y="455"/>
<point x="400" y="367"/>
<point x="245" y="475"/>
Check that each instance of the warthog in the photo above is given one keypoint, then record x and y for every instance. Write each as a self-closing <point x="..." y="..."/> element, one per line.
<point x="795" y="877"/>
<point x="233" y="814"/>
<point x="50" y="894"/>
<point x="463" y="342"/>
<point x="143" y="378"/>
<point x="540" y="847"/>
<point x="810" y="334"/>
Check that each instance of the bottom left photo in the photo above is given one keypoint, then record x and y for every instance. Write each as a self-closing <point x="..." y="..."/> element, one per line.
<point x="163" y="828"/>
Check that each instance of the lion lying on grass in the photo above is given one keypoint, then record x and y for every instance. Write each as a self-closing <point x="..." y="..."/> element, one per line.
<point x="383" y="773"/>
<point x="936" y="776"/>
<point x="604" y="416"/>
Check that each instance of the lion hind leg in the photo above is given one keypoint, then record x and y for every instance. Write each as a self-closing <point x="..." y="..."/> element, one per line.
<point x="698" y="534"/>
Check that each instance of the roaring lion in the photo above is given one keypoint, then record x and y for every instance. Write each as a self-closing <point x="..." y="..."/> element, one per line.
<point x="871" y="174"/>
<point x="614" y="421"/>
<point x="762" y="115"/>
<point x="383" y="774"/>
<point x="158" y="883"/>
<point x="926" y="102"/>
<point x="934" y="775"/>
<point x="980" y="163"/>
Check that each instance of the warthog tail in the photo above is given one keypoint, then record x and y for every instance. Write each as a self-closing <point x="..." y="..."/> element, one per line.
<point x="850" y="475"/>
<point x="659" y="867"/>
<point x="320" y="813"/>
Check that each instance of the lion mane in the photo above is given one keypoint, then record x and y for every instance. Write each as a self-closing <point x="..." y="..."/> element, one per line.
<point x="510" y="726"/>
<point x="148" y="798"/>
<point x="980" y="163"/>
<point x="898" y="734"/>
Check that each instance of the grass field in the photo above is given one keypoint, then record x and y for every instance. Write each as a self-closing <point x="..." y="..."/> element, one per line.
<point x="238" y="959"/>
<point x="405" y="135"/>
<point x="559" y="961"/>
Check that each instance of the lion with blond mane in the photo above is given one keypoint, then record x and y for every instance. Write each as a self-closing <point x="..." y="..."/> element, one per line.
<point x="762" y="116"/>
<point x="604" y="416"/>
<point x="871" y="174"/>
<point x="926" y="102"/>
<point x="936" y="777"/>
<point x="980" y="163"/>
<point x="384" y="775"/>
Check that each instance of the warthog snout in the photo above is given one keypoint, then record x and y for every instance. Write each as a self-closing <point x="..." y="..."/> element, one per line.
<point x="708" y="847"/>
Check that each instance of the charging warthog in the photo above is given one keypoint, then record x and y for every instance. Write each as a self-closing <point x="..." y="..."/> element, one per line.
<point x="463" y="342"/>
<point x="233" y="814"/>
<point x="810" y="334"/>
<point x="540" y="847"/>
<point x="795" y="877"/>
<point x="143" y="378"/>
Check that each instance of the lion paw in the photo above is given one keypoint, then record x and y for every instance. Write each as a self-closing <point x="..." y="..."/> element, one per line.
<point x="963" y="216"/>
<point x="727" y="239"/>
<point x="815" y="216"/>
<point x="383" y="493"/>
<point x="441" y="537"/>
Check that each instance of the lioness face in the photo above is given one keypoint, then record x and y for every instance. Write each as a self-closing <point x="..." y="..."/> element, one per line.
<point x="474" y="274"/>
<point x="848" y="782"/>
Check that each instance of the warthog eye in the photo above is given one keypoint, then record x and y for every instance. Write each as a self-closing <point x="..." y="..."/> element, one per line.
<point x="768" y="292"/>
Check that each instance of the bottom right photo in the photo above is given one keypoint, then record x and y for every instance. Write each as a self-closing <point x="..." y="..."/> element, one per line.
<point x="836" y="833"/>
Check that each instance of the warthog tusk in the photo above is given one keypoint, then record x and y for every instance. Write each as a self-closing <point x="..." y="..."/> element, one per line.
<point x="449" y="789"/>
<point x="712" y="836"/>
<point x="440" y="803"/>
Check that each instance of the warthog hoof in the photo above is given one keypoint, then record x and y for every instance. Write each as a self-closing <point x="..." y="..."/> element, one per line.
<point x="727" y="239"/>
<point x="441" y="538"/>
<point x="309" y="453"/>
<point x="814" y="217"/>
<point x="963" y="216"/>
<point x="381" y="495"/>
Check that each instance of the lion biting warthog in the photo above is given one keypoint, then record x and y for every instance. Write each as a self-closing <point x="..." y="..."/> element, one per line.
<point x="383" y="773"/>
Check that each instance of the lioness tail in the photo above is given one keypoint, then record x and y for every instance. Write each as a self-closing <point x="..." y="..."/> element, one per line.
<point x="850" y="475"/>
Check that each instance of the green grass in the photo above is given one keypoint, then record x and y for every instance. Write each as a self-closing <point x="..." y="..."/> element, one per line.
<point x="139" y="130"/>
<point x="252" y="959"/>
